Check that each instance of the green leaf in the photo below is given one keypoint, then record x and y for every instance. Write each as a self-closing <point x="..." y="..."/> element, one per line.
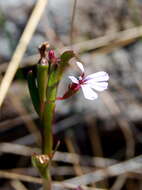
<point x="33" y="91"/>
<point x="64" y="59"/>
<point x="67" y="55"/>
<point x="42" y="79"/>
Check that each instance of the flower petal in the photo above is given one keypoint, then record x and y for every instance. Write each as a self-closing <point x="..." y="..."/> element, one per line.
<point x="99" y="86"/>
<point x="98" y="77"/>
<point x="89" y="93"/>
<point x="80" y="66"/>
<point x="73" y="79"/>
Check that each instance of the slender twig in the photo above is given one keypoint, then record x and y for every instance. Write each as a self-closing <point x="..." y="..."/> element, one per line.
<point x="30" y="179"/>
<point x="10" y="175"/>
<point x="119" y="182"/>
<point x="31" y="126"/>
<point x="19" y="120"/>
<point x="21" y="47"/>
<point x="112" y="41"/>
<point x="135" y="11"/>
<point x="114" y="170"/>
<point x="110" y="103"/>
<point x="130" y="147"/>
<point x="17" y="149"/>
<point x="71" y="158"/>
<point x="16" y="184"/>
<point x="97" y="144"/>
<point x="72" y="21"/>
<point x="71" y="149"/>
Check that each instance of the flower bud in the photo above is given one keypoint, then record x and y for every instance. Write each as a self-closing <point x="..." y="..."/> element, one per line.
<point x="51" y="55"/>
<point x="43" y="49"/>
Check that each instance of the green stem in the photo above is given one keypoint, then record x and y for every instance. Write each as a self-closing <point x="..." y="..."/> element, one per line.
<point x="47" y="122"/>
<point x="47" y="125"/>
<point x="47" y="182"/>
<point x="48" y="114"/>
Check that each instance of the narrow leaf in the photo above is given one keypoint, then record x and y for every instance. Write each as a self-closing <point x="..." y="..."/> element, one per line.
<point x="33" y="91"/>
<point x="65" y="57"/>
<point x="42" y="79"/>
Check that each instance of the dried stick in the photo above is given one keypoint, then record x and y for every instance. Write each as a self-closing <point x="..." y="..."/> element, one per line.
<point x="119" y="182"/>
<point x="71" y="158"/>
<point x="123" y="123"/>
<point x="111" y="38"/>
<point x="19" y="120"/>
<point x="96" y="142"/>
<point x="16" y="184"/>
<point x="17" y="149"/>
<point x="15" y="176"/>
<point x="71" y="149"/>
<point x="31" y="126"/>
<point x="130" y="144"/>
<point x="21" y="48"/>
<point x="111" y="41"/>
<point x="127" y="132"/>
<point x="10" y="175"/>
<point x="114" y="170"/>
<point x="72" y="21"/>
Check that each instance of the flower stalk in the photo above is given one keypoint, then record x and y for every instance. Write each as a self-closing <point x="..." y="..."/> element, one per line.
<point x="43" y="83"/>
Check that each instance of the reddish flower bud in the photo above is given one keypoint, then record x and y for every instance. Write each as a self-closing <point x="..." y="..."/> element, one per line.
<point x="51" y="55"/>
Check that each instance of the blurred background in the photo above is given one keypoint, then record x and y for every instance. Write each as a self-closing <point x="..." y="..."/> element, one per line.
<point x="101" y="140"/>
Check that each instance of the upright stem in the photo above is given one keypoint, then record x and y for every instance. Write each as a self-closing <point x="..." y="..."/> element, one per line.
<point x="47" y="121"/>
<point x="47" y="182"/>
<point x="47" y="131"/>
<point x="48" y="141"/>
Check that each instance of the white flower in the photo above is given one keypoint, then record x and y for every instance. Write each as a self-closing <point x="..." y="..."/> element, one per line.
<point x="96" y="81"/>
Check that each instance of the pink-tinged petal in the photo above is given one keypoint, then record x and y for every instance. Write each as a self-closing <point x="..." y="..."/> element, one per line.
<point x="73" y="79"/>
<point x="99" y="86"/>
<point x="89" y="93"/>
<point x="98" y="77"/>
<point x="80" y="66"/>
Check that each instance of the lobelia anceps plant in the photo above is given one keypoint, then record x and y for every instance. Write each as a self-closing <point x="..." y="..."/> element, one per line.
<point x="43" y="81"/>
